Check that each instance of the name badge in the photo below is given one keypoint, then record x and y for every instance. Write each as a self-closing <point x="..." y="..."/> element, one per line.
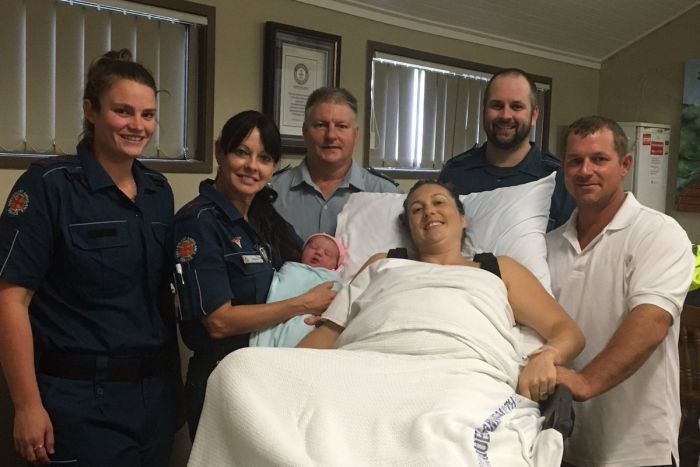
<point x="252" y="259"/>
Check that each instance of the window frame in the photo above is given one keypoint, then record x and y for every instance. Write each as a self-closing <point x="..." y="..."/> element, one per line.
<point x="205" y="100"/>
<point x="374" y="47"/>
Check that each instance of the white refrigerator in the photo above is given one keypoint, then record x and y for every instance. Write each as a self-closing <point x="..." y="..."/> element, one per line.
<point x="648" y="179"/>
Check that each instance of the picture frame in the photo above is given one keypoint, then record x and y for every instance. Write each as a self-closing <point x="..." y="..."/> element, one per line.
<point x="296" y="62"/>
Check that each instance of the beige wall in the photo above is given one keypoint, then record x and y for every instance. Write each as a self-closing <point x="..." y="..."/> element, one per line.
<point x="238" y="79"/>
<point x="239" y="52"/>
<point x="644" y="83"/>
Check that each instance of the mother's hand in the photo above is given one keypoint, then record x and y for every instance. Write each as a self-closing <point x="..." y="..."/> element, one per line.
<point x="539" y="377"/>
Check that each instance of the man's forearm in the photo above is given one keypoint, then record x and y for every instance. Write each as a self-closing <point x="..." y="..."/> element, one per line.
<point x="629" y="347"/>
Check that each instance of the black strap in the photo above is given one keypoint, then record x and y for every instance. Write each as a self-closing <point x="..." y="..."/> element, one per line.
<point x="397" y="253"/>
<point x="488" y="262"/>
<point x="558" y="411"/>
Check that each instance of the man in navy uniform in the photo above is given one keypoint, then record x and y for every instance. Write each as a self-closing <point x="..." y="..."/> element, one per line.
<point x="508" y="158"/>
<point x="313" y="193"/>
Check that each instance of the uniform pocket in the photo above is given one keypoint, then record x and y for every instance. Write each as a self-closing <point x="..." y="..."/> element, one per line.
<point x="99" y="235"/>
<point x="102" y="257"/>
<point x="250" y="281"/>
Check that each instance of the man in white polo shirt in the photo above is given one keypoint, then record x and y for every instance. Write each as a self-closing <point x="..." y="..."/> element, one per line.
<point x="621" y="270"/>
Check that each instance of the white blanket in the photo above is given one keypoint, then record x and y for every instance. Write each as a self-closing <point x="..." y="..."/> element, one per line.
<point x="379" y="400"/>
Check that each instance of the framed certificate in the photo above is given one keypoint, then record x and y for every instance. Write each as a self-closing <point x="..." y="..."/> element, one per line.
<point x="297" y="61"/>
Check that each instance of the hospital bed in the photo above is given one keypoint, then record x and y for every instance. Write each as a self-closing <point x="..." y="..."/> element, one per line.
<point x="300" y="407"/>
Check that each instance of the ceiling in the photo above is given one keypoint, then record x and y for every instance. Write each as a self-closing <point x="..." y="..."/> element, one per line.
<point x="573" y="31"/>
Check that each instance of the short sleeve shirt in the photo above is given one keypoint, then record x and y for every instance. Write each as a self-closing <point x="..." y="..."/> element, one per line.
<point x="96" y="261"/>
<point x="222" y="260"/>
<point x="301" y="203"/>
<point x="641" y="257"/>
<point x="470" y="172"/>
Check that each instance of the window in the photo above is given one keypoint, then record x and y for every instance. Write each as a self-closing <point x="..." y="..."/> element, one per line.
<point x="46" y="47"/>
<point x="424" y="109"/>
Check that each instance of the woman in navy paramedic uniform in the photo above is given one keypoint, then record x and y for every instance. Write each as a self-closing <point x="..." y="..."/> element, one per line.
<point x="229" y="240"/>
<point x="87" y="332"/>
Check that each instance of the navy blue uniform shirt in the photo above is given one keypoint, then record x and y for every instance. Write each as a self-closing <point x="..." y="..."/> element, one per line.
<point x="223" y="260"/>
<point x="97" y="261"/>
<point x="470" y="172"/>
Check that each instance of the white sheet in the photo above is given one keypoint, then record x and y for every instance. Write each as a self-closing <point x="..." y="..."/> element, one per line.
<point x="385" y="402"/>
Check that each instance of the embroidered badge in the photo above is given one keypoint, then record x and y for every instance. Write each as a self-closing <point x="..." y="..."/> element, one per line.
<point x="18" y="203"/>
<point x="236" y="240"/>
<point x="185" y="249"/>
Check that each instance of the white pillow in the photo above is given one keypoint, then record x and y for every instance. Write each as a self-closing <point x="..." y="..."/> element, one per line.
<point x="508" y="221"/>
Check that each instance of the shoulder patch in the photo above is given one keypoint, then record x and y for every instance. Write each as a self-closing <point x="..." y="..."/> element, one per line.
<point x="379" y="174"/>
<point x="18" y="203"/>
<point x="186" y="249"/>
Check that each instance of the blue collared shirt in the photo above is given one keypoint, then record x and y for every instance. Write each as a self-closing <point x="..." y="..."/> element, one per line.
<point x="301" y="203"/>
<point x="96" y="261"/>
<point x="470" y="172"/>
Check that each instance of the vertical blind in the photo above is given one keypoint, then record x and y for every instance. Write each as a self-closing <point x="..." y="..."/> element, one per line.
<point x="422" y="116"/>
<point x="46" y="48"/>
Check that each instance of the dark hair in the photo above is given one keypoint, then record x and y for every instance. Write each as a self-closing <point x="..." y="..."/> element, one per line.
<point x="262" y="214"/>
<point x="513" y="72"/>
<point x="334" y="95"/>
<point x="403" y="217"/>
<point x="588" y="125"/>
<point x="238" y="127"/>
<point x="103" y="73"/>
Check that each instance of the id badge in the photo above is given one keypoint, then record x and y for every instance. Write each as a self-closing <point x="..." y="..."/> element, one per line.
<point x="252" y="259"/>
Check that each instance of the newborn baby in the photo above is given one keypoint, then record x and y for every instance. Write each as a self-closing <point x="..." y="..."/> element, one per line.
<point x="322" y="258"/>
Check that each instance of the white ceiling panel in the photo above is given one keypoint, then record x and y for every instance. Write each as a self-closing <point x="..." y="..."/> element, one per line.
<point x="583" y="32"/>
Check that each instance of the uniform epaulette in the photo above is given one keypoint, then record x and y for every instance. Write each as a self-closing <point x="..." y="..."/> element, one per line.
<point x="51" y="161"/>
<point x="69" y="165"/>
<point x="282" y="170"/>
<point x="192" y="208"/>
<point x="156" y="176"/>
<point x="379" y="174"/>
<point x="453" y="159"/>
<point x="550" y="162"/>
<point x="461" y="157"/>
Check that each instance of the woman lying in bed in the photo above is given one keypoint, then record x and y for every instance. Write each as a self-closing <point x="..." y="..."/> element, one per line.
<point x="408" y="307"/>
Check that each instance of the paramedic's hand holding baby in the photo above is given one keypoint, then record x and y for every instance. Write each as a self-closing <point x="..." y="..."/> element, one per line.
<point x="435" y="219"/>
<point x="316" y="300"/>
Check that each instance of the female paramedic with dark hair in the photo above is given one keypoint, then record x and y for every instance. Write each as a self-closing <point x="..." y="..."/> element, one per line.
<point x="229" y="241"/>
<point x="87" y="336"/>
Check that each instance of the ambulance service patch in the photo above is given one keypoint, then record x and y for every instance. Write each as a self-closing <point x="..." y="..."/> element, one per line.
<point x="185" y="249"/>
<point x="18" y="203"/>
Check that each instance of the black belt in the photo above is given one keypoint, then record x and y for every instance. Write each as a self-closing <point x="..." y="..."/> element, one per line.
<point x="94" y="367"/>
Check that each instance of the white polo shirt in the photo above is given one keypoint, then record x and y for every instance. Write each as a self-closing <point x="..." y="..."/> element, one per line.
<point x="641" y="257"/>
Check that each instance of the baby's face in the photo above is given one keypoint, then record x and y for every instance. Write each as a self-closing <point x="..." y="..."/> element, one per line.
<point x="321" y="252"/>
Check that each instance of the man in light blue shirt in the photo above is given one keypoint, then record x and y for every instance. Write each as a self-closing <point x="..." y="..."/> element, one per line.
<point x="313" y="193"/>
